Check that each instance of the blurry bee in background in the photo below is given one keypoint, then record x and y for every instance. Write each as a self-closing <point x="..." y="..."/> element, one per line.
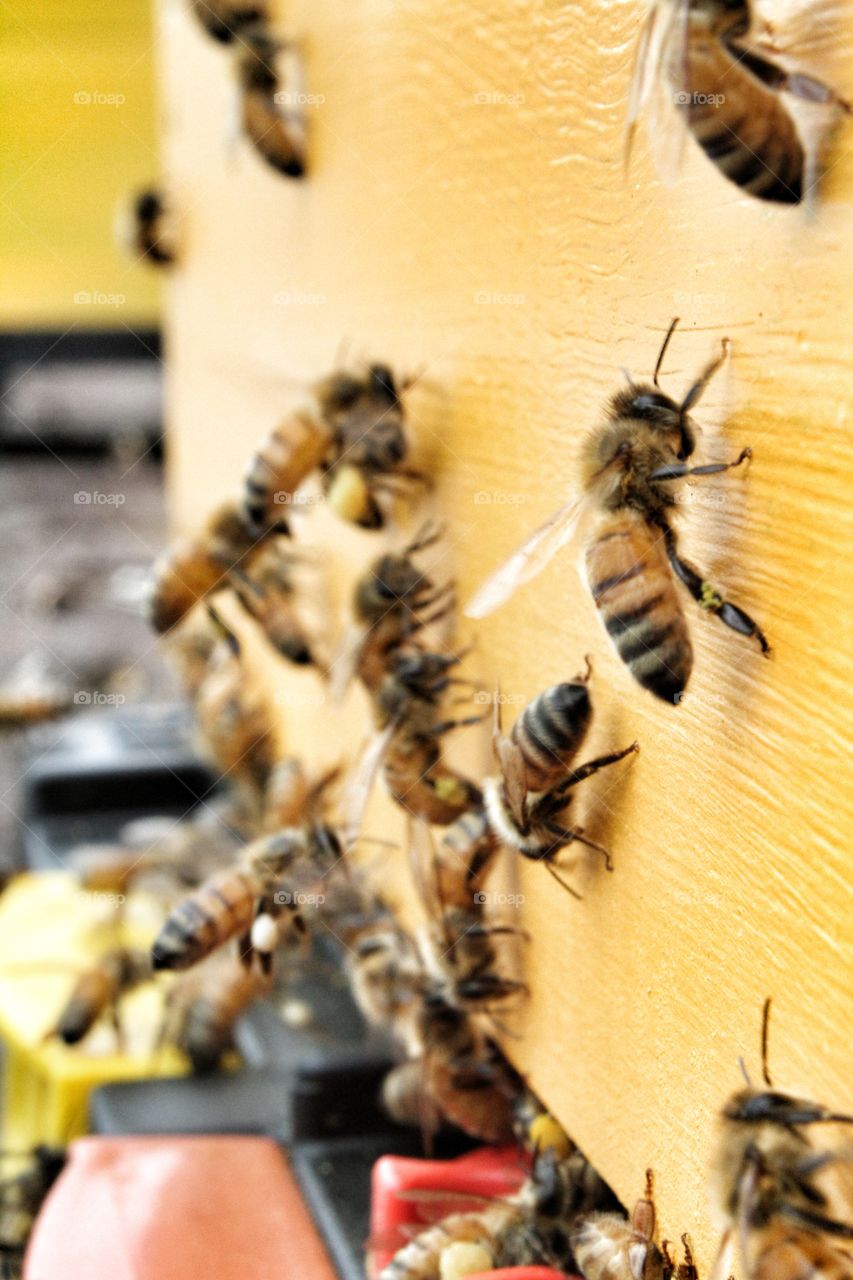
<point x="193" y="569"/>
<point x="234" y="721"/>
<point x="284" y="461"/>
<point x="224" y="20"/>
<point x="384" y="970"/>
<point x="393" y="601"/>
<point x="526" y="803"/>
<point x="774" y="1190"/>
<point x="703" y="66"/>
<point x="150" y="231"/>
<point x="364" y="469"/>
<point x="228" y="904"/>
<point x="287" y="795"/>
<point x="21" y="1197"/>
<point x="267" y="593"/>
<point x="270" y="114"/>
<point x="631" y="465"/>
<point x="204" y="1005"/>
<point x="532" y="1227"/>
<point x="99" y="991"/>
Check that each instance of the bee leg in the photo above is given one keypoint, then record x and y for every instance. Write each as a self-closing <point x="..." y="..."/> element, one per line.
<point x="709" y="598"/>
<point x="569" y="835"/>
<point x="593" y="766"/>
<point x="799" y="85"/>
<point x="547" y="861"/>
<point x="446" y="726"/>
<point x="679" y="469"/>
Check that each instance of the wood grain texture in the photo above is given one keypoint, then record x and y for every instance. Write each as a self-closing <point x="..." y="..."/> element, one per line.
<point x="466" y="211"/>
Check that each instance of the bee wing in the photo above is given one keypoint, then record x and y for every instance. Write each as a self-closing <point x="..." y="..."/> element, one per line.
<point x="344" y="660"/>
<point x="530" y="558"/>
<point x="361" y="780"/>
<point x="660" y="74"/>
<point x="513" y="775"/>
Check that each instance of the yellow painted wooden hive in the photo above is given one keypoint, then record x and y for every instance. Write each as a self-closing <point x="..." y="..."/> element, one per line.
<point x="467" y="214"/>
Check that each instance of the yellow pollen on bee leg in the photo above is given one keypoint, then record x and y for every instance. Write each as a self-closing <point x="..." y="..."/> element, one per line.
<point x="711" y="598"/>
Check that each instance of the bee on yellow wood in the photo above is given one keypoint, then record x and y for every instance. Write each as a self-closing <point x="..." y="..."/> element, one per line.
<point x="526" y="803"/>
<point x="290" y="454"/>
<point x="224" y="20"/>
<point x="706" y="67"/>
<point x="532" y="1227"/>
<point x="204" y="1005"/>
<point x="779" y="1195"/>
<point x="271" y="114"/>
<point x="267" y="593"/>
<point x="607" y="1246"/>
<point x="385" y="973"/>
<point x="632" y="465"/>
<point x="459" y="946"/>
<point x="195" y="568"/>
<point x="234" y="721"/>
<point x="99" y="990"/>
<point x="365" y="468"/>
<point x="150" y="230"/>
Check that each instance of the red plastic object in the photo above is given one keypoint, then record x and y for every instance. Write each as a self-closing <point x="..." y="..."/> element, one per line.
<point x="489" y="1171"/>
<point x="520" y="1273"/>
<point x="226" y="1208"/>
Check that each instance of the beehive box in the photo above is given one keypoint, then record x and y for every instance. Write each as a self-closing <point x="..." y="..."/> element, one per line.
<point x="467" y="214"/>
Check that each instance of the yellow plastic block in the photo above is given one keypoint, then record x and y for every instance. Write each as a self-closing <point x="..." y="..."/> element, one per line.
<point x="50" y="931"/>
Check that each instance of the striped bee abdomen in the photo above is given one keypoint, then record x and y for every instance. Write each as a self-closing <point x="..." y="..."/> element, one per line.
<point x="291" y="453"/>
<point x="222" y="908"/>
<point x="742" y="125"/>
<point x="549" y="733"/>
<point x="633" y="587"/>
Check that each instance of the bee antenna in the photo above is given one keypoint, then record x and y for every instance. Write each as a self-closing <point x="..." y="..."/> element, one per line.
<point x="744" y="1072"/>
<point x="765" y="1031"/>
<point x="669" y="334"/>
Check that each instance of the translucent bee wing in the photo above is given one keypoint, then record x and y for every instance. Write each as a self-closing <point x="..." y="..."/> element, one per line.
<point x="422" y="856"/>
<point x="667" y="124"/>
<point x="645" y="69"/>
<point x="344" y="660"/>
<point x="507" y="753"/>
<point x="361" y="779"/>
<point x="530" y="558"/>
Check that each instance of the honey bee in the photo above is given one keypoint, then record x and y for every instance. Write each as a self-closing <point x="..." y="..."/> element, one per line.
<point x="21" y="1196"/>
<point x="195" y="568"/>
<point x="228" y="904"/>
<point x="526" y="802"/>
<point x="287" y="796"/>
<point x="607" y="1246"/>
<point x="234" y="721"/>
<point x="267" y="594"/>
<point x="225" y="20"/>
<point x="99" y="990"/>
<point x="630" y="466"/>
<point x="385" y="973"/>
<point x="204" y="1005"/>
<point x="364" y="467"/>
<point x="529" y="1228"/>
<point x="151" y="234"/>
<point x="276" y="130"/>
<point x="768" y="1186"/>
<point x="725" y="84"/>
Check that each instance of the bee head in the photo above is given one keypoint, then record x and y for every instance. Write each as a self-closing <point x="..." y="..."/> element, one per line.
<point x="660" y="412"/>
<point x="382" y="384"/>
